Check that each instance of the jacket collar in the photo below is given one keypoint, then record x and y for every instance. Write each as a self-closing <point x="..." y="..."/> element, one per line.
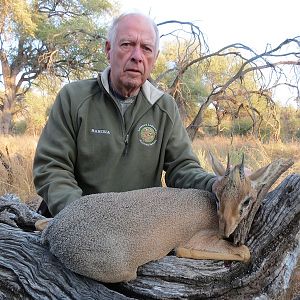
<point x="151" y="93"/>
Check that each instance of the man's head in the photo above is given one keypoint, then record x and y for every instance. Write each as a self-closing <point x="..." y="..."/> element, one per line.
<point x="131" y="48"/>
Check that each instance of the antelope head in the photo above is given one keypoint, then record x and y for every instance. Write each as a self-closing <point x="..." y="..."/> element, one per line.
<point x="235" y="193"/>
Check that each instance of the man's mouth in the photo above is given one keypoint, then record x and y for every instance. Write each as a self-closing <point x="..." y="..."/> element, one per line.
<point x="133" y="71"/>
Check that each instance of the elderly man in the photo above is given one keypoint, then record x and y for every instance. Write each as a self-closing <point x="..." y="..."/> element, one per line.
<point x="116" y="132"/>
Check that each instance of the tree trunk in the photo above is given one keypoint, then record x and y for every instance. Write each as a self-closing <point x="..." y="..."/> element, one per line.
<point x="9" y="99"/>
<point x="29" y="271"/>
<point x="5" y="121"/>
<point x="6" y="110"/>
<point x="192" y="129"/>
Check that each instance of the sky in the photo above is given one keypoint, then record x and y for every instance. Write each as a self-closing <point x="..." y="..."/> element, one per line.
<point x="255" y="23"/>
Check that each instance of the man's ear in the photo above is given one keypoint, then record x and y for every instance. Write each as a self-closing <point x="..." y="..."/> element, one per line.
<point x="107" y="49"/>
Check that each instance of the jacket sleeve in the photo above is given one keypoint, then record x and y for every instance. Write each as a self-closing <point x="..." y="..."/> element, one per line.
<point x="55" y="157"/>
<point x="182" y="167"/>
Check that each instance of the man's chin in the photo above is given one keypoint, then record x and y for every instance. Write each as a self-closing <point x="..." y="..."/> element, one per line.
<point x="134" y="84"/>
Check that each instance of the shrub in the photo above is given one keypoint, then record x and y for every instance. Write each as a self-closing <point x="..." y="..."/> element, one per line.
<point x="19" y="127"/>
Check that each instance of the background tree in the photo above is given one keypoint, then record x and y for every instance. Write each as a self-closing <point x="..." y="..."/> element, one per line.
<point x="266" y="70"/>
<point x="190" y="91"/>
<point x="60" y="37"/>
<point x="290" y="120"/>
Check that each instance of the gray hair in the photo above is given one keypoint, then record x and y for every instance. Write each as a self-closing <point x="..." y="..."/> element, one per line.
<point x="113" y="28"/>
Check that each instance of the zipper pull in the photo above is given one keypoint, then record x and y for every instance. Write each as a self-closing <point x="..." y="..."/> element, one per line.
<point x="125" y="151"/>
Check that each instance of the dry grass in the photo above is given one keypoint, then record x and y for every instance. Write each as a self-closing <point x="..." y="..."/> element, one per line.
<point x="256" y="153"/>
<point x="18" y="154"/>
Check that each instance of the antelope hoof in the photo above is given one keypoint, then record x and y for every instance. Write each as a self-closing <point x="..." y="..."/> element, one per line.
<point x="244" y="253"/>
<point x="40" y="225"/>
<point x="183" y="252"/>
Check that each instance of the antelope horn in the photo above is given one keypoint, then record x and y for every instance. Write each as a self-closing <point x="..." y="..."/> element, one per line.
<point x="227" y="171"/>
<point x="242" y="171"/>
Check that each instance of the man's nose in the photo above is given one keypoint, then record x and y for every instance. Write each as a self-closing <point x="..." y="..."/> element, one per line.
<point x="136" y="54"/>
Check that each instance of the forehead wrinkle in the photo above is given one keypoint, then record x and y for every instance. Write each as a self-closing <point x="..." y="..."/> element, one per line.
<point x="140" y="18"/>
<point x="132" y="38"/>
<point x="135" y="30"/>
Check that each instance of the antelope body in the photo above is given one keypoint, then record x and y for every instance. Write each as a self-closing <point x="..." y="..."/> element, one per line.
<point x="108" y="236"/>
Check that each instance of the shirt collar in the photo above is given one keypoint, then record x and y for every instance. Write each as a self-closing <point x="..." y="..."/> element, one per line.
<point x="151" y="93"/>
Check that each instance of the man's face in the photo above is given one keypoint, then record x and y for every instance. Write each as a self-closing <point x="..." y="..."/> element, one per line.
<point x="132" y="54"/>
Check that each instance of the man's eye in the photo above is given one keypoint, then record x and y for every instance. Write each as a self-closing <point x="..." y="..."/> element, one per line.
<point x="125" y="45"/>
<point x="148" y="49"/>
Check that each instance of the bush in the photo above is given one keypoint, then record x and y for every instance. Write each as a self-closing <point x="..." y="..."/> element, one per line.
<point x="19" y="127"/>
<point x="242" y="127"/>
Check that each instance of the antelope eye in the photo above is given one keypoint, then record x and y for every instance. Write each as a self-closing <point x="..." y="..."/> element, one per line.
<point x="247" y="202"/>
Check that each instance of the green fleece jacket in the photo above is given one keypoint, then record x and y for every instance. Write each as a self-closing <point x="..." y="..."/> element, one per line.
<point x="88" y="147"/>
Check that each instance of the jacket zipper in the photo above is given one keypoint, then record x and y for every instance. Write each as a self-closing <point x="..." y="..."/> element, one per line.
<point x="125" y="151"/>
<point x="126" y="140"/>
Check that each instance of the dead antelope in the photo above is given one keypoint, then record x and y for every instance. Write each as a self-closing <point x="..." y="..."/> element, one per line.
<point x="108" y="236"/>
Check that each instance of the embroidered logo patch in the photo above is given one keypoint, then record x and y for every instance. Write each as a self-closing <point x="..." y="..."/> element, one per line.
<point x="147" y="134"/>
<point x="100" y="131"/>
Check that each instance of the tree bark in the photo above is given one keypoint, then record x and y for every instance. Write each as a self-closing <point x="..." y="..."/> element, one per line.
<point x="29" y="271"/>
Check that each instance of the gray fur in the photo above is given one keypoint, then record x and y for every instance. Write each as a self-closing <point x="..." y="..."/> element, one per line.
<point x="108" y="236"/>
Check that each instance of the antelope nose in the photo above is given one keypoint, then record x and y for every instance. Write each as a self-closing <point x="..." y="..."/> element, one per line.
<point x="229" y="230"/>
<point x="224" y="229"/>
<point x="223" y="234"/>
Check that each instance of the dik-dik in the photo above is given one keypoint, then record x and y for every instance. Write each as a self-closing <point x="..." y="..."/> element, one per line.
<point x="108" y="236"/>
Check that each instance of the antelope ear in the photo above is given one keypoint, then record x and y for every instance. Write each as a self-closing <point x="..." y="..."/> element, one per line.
<point x="261" y="176"/>
<point x="217" y="166"/>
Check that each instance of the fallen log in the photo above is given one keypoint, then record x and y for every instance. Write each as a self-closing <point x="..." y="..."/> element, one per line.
<point x="29" y="271"/>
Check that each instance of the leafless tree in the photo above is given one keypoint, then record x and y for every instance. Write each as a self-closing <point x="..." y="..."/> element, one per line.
<point x="271" y="68"/>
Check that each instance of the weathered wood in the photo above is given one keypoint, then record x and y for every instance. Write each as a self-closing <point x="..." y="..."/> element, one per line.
<point x="29" y="271"/>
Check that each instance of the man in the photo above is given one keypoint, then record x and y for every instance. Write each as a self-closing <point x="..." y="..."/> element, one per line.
<point x="117" y="132"/>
